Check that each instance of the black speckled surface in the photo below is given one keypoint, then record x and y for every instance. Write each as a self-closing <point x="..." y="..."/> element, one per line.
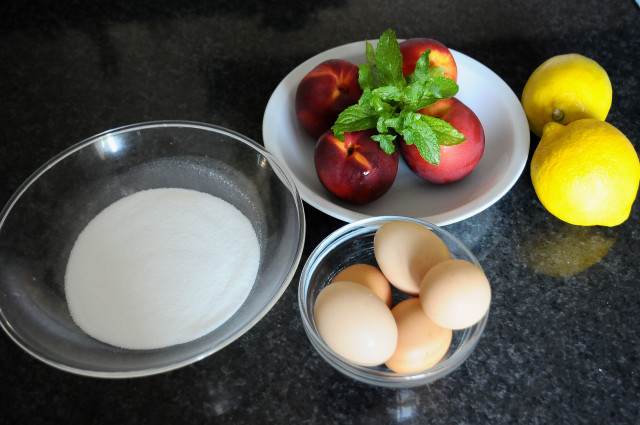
<point x="556" y="350"/>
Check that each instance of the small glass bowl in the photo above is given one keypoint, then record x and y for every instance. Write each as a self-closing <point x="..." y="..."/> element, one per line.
<point x="353" y="244"/>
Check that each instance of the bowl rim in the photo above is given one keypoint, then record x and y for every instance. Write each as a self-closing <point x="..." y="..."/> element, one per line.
<point x="361" y="373"/>
<point x="281" y="173"/>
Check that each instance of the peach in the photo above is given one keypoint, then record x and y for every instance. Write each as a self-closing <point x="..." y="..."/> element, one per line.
<point x="356" y="170"/>
<point x="456" y="161"/>
<point x="324" y="92"/>
<point x="440" y="55"/>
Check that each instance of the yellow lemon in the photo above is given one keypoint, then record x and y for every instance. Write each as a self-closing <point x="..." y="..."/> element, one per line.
<point x="586" y="173"/>
<point x="566" y="88"/>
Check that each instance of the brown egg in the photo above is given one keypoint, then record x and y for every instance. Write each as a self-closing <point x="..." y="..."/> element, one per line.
<point x="355" y="323"/>
<point x="405" y="251"/>
<point x="455" y="294"/>
<point x="421" y="342"/>
<point x="369" y="276"/>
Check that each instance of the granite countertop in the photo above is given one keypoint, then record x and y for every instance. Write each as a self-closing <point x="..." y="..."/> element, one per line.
<point x="562" y="345"/>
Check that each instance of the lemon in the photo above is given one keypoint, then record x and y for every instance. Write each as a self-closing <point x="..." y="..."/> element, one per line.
<point x="566" y="88"/>
<point x="586" y="173"/>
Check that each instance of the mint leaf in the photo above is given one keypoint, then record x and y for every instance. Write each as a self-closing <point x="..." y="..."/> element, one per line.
<point x="365" y="77"/>
<point x="446" y="133"/>
<point x="418" y="132"/>
<point x="356" y="117"/>
<point x="424" y="70"/>
<point x="370" y="53"/>
<point x="389" y="60"/>
<point x="417" y="96"/>
<point x="386" y="142"/>
<point x="368" y="73"/>
<point x="442" y="87"/>
<point x="388" y="94"/>
<point x="432" y="90"/>
<point x="422" y="66"/>
<point x="436" y="71"/>
<point x="384" y="123"/>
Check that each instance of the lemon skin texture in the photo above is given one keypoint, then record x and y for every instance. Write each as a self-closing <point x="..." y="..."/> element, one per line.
<point x="586" y="173"/>
<point x="566" y="88"/>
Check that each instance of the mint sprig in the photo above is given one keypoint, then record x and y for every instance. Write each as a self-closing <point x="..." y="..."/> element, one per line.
<point x="390" y="101"/>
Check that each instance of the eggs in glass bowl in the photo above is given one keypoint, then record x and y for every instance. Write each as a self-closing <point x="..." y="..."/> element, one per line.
<point x="393" y="301"/>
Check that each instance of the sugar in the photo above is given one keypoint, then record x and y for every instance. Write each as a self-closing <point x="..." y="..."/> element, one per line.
<point x="161" y="267"/>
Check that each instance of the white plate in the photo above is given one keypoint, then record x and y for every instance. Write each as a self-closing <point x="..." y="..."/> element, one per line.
<point x="506" y="149"/>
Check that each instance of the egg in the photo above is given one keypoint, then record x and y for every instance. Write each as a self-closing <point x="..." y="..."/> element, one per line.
<point x="421" y="342"/>
<point x="369" y="276"/>
<point x="405" y="251"/>
<point x="455" y="294"/>
<point x="355" y="323"/>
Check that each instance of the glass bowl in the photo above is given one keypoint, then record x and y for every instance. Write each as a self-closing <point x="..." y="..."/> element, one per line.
<point x="353" y="244"/>
<point x="42" y="220"/>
